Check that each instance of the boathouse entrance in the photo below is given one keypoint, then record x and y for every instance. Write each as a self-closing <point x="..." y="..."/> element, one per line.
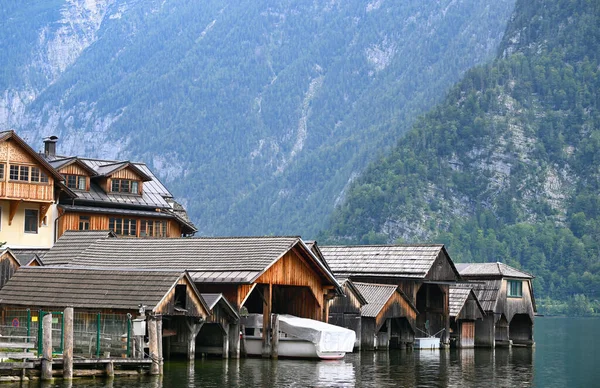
<point x="521" y="330"/>
<point x="431" y="317"/>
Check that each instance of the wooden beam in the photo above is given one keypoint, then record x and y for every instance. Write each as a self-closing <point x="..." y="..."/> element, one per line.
<point x="267" y="310"/>
<point x="14" y="205"/>
<point x="44" y="207"/>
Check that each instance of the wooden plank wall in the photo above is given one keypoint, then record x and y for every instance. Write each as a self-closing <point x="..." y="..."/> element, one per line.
<point x="70" y="221"/>
<point x="193" y="305"/>
<point x="348" y="304"/>
<point x="467" y="334"/>
<point x="510" y="306"/>
<point x="74" y="169"/>
<point x="125" y="173"/>
<point x="395" y="307"/>
<point x="8" y="266"/>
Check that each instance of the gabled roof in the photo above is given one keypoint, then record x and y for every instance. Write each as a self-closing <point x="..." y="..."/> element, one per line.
<point x="350" y="284"/>
<point x="6" y="135"/>
<point x="491" y="270"/>
<point x="92" y="288"/>
<point x="111" y="168"/>
<point x="26" y="255"/>
<point x="377" y="295"/>
<point x="61" y="163"/>
<point x="213" y="299"/>
<point x="72" y="243"/>
<point x="208" y="259"/>
<point x="459" y="293"/>
<point x="408" y="261"/>
<point x="487" y="293"/>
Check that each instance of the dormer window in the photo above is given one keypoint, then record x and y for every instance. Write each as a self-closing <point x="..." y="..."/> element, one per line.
<point x="124" y="186"/>
<point x="75" y="182"/>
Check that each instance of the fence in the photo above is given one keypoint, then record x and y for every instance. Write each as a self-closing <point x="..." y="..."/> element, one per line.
<point x="95" y="334"/>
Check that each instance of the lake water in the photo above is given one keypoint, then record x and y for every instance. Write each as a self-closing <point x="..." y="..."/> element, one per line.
<point x="566" y="355"/>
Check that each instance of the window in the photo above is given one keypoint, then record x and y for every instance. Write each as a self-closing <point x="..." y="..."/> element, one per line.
<point x="31" y="221"/>
<point x="25" y="174"/>
<point x="180" y="296"/>
<point x="124" y="186"/>
<point x="84" y="222"/>
<point x="123" y="226"/>
<point x="515" y="288"/>
<point x="76" y="182"/>
<point x="1" y="171"/>
<point x="152" y="228"/>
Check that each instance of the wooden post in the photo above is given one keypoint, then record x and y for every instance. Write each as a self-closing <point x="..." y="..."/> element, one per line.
<point x="110" y="369"/>
<point x="275" y="336"/>
<point x="47" y="348"/>
<point x="194" y="329"/>
<point x="68" y="344"/>
<point x="153" y="345"/>
<point x="389" y="333"/>
<point x="226" y="340"/>
<point x="267" y="307"/>
<point x="234" y="340"/>
<point x="159" y="332"/>
<point x="243" y="346"/>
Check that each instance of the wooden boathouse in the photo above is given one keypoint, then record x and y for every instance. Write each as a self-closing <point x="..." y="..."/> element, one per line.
<point x="424" y="273"/>
<point x="506" y="295"/>
<point x="388" y="319"/>
<point x="168" y="297"/>
<point x="263" y="275"/>
<point x="465" y="310"/>
<point x="345" y="310"/>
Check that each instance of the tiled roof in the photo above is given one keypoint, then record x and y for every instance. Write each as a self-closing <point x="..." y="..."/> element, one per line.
<point x="208" y="259"/>
<point x="487" y="293"/>
<point x="119" y="211"/>
<point x="376" y="296"/>
<point x="412" y="261"/>
<point x="71" y="244"/>
<point x="87" y="288"/>
<point x="458" y="296"/>
<point x="491" y="270"/>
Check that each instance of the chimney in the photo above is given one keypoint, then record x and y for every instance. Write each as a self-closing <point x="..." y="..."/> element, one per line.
<point x="50" y="145"/>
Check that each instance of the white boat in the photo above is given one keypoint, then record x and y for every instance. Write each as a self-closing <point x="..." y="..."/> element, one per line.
<point x="301" y="338"/>
<point x="426" y="343"/>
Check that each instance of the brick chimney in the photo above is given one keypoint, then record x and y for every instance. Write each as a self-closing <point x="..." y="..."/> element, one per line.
<point x="50" y="145"/>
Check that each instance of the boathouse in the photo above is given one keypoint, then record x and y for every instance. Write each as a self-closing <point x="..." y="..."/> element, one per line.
<point x="506" y="295"/>
<point x="11" y="260"/>
<point x="264" y="275"/>
<point x="388" y="319"/>
<point x="465" y="310"/>
<point x="423" y="273"/>
<point x="345" y="310"/>
<point x="97" y="293"/>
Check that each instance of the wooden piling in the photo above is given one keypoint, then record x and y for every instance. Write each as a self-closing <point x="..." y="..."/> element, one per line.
<point x="110" y="369"/>
<point x="225" y="340"/>
<point x="47" y="348"/>
<point x="243" y="345"/>
<point x="267" y="308"/>
<point x="275" y="336"/>
<point x="194" y="329"/>
<point x="68" y="344"/>
<point x="234" y="340"/>
<point x="159" y="332"/>
<point x="153" y="345"/>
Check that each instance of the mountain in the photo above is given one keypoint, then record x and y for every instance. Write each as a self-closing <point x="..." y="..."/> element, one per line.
<point x="259" y="113"/>
<point x="507" y="167"/>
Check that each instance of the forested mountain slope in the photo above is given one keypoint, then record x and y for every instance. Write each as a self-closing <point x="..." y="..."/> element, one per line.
<point x="507" y="167"/>
<point x="256" y="113"/>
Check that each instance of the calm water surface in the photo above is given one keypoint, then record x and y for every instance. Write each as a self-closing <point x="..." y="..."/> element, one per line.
<point x="566" y="355"/>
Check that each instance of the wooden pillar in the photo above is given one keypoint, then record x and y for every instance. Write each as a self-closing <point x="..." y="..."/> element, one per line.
<point x="389" y="332"/>
<point x="153" y="345"/>
<point x="110" y="369"/>
<point x="47" y="348"/>
<point x="225" y="340"/>
<point x="234" y="340"/>
<point x="267" y="307"/>
<point x="446" y="336"/>
<point x="68" y="344"/>
<point x="194" y="329"/>
<point x="159" y="337"/>
<point x="275" y="336"/>
<point x="243" y="346"/>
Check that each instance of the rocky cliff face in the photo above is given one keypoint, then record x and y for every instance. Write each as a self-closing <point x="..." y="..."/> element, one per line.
<point x="258" y="113"/>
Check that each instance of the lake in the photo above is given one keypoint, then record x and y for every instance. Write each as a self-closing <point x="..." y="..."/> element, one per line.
<point x="566" y="355"/>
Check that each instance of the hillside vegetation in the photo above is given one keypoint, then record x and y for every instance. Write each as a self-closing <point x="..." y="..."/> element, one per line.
<point x="507" y="167"/>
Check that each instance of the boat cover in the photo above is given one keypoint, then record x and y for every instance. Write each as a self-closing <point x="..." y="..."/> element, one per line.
<point x="326" y="337"/>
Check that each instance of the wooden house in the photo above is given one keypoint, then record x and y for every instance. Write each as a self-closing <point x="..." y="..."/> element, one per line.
<point x="345" y="310"/>
<point x="29" y="189"/>
<point x="423" y="273"/>
<point x="506" y="295"/>
<point x="42" y="195"/>
<point x="266" y="275"/>
<point x="11" y="261"/>
<point x="388" y="318"/>
<point x="465" y="310"/>
<point x="168" y="294"/>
